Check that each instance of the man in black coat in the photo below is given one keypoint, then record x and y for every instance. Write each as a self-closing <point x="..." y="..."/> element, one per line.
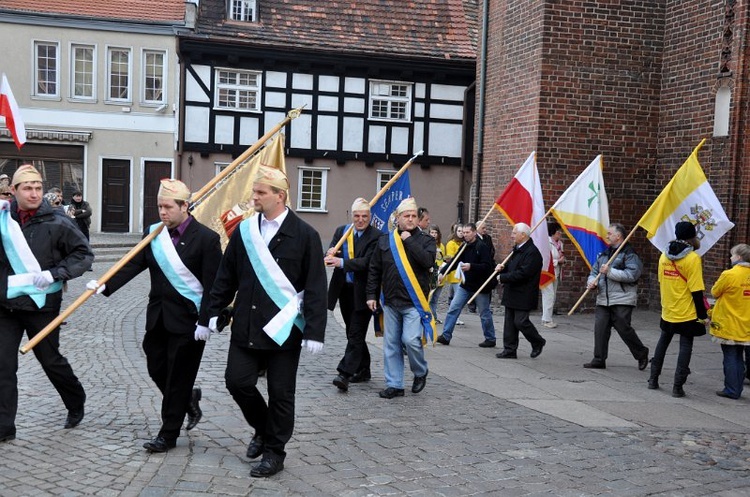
<point x="347" y="286"/>
<point x="273" y="264"/>
<point x="182" y="262"/>
<point x="80" y="211"/>
<point x="31" y="292"/>
<point x="520" y="280"/>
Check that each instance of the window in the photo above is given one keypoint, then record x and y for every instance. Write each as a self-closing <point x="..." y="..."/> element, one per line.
<point x="390" y="100"/>
<point x="383" y="178"/>
<point x="46" y="74"/>
<point x="82" y="72"/>
<point x="153" y="76"/>
<point x="312" y="189"/>
<point x="242" y="10"/>
<point x="237" y="89"/>
<point x="118" y="74"/>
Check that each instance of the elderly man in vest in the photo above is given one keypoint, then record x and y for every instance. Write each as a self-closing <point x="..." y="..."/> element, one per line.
<point x="273" y="265"/>
<point x="182" y="261"/>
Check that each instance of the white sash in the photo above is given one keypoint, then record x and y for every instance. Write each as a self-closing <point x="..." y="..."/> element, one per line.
<point x="275" y="283"/>
<point x="178" y="275"/>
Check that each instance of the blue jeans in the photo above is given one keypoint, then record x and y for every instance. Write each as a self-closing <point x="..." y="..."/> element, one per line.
<point x="734" y="369"/>
<point x="402" y="326"/>
<point x="483" y="307"/>
<point x="434" y="300"/>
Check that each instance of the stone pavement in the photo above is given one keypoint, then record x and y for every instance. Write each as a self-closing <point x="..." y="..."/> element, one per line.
<point x="482" y="426"/>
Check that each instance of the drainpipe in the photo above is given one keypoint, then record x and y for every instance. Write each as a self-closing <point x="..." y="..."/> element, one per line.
<point x="480" y="114"/>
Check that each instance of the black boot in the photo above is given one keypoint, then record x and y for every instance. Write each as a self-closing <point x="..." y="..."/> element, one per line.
<point x="653" y="382"/>
<point x="677" y="391"/>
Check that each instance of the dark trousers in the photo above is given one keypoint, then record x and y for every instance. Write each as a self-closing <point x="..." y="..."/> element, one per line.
<point x="273" y="421"/>
<point x="47" y="352"/>
<point x="172" y="360"/>
<point x="734" y="369"/>
<point x="518" y="320"/>
<point x="617" y="317"/>
<point x="683" y="357"/>
<point x="356" y="355"/>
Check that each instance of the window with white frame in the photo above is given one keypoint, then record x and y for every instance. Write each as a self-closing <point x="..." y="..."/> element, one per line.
<point x="118" y="74"/>
<point x="46" y="74"/>
<point x="243" y="10"/>
<point x="311" y="195"/>
<point x="390" y="100"/>
<point x="154" y="76"/>
<point x="82" y="72"/>
<point x="383" y="178"/>
<point x="239" y="90"/>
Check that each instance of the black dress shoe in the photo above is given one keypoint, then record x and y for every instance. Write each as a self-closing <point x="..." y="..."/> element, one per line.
<point x="194" y="409"/>
<point x="266" y="467"/>
<point x="391" y="392"/>
<point x="488" y="344"/>
<point x="443" y="341"/>
<point x="74" y="418"/>
<point x="506" y="355"/>
<point x="419" y="383"/>
<point x="722" y="393"/>
<point x="256" y="447"/>
<point x="159" y="444"/>
<point x="677" y="391"/>
<point x="341" y="382"/>
<point x="643" y="363"/>
<point x="653" y="383"/>
<point x="360" y="377"/>
<point x="595" y="365"/>
<point x="7" y="437"/>
<point x="537" y="351"/>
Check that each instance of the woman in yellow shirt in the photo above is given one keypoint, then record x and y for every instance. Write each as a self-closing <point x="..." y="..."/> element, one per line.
<point x="730" y="320"/>
<point x="436" y="285"/>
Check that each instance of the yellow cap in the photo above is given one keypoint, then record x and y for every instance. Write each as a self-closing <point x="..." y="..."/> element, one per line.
<point x="174" y="188"/>
<point x="26" y="173"/>
<point x="271" y="176"/>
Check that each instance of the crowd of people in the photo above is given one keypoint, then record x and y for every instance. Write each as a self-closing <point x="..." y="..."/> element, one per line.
<point x="271" y="282"/>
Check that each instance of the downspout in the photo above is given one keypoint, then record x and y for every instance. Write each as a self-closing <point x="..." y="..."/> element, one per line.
<point x="480" y="114"/>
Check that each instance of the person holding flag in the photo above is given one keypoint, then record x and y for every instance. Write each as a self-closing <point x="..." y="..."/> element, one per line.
<point x="401" y="265"/>
<point x="347" y="287"/>
<point x="274" y="272"/>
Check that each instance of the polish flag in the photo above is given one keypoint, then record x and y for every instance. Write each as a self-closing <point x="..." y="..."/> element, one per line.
<point x="12" y="114"/>
<point x="521" y="202"/>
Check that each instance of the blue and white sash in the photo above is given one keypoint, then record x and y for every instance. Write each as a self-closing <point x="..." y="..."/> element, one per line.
<point x="22" y="261"/>
<point x="178" y="275"/>
<point x="274" y="282"/>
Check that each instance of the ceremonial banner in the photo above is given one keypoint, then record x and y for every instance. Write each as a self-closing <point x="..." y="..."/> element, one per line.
<point x="583" y="212"/>
<point x="687" y="197"/>
<point x="12" y="114"/>
<point x="381" y="212"/>
<point x="521" y="202"/>
<point x="231" y="201"/>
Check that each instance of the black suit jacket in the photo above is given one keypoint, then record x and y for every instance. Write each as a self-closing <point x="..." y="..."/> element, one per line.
<point x="200" y="251"/>
<point x="297" y="249"/>
<point x="363" y="249"/>
<point x="520" y="278"/>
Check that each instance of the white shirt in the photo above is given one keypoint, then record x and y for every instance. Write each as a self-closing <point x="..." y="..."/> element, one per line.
<point x="269" y="227"/>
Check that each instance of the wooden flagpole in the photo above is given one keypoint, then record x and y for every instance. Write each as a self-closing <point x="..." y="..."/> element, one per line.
<point x="293" y="114"/>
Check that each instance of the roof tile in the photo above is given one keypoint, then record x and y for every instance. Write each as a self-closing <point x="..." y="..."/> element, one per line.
<point x="131" y="10"/>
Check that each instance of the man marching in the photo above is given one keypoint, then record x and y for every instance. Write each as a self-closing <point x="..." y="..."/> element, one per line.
<point x="182" y="261"/>
<point x="273" y="264"/>
<point x="40" y="250"/>
<point x="348" y="288"/>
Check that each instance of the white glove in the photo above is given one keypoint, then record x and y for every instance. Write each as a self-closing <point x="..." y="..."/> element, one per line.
<point x="43" y="280"/>
<point x="212" y="325"/>
<point x="312" y="346"/>
<point x="94" y="285"/>
<point x="202" y="333"/>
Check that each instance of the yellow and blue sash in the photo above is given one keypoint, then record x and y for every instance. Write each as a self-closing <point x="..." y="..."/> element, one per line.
<point x="22" y="261"/>
<point x="418" y="298"/>
<point x="178" y="275"/>
<point x="347" y="251"/>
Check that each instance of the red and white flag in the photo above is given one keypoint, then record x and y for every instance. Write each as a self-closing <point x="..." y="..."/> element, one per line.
<point x="12" y="114"/>
<point x="521" y="202"/>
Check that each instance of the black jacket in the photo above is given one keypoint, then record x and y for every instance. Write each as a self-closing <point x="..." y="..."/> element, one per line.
<point x="478" y="255"/>
<point x="200" y="250"/>
<point x="57" y="244"/>
<point x="364" y="246"/>
<point x="420" y="251"/>
<point x="81" y="213"/>
<point x="299" y="253"/>
<point x="520" y="278"/>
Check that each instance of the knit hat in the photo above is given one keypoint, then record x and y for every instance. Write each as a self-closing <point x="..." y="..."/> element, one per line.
<point x="407" y="204"/>
<point x="271" y="176"/>
<point x="360" y="204"/>
<point x="175" y="189"/>
<point x="685" y="230"/>
<point x="26" y="173"/>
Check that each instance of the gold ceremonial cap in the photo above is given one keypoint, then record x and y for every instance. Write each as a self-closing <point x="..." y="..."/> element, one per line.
<point x="26" y="173"/>
<point x="175" y="189"/>
<point x="271" y="176"/>
<point x="360" y="204"/>
<point x="407" y="204"/>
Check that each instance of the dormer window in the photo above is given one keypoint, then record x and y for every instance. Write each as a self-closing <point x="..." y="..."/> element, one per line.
<point x="243" y="10"/>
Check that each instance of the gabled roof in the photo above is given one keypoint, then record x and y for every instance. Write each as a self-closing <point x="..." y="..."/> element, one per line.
<point x="159" y="11"/>
<point x="442" y="29"/>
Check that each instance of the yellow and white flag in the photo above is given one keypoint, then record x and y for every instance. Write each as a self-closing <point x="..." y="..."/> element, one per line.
<point x="231" y="200"/>
<point x="687" y="197"/>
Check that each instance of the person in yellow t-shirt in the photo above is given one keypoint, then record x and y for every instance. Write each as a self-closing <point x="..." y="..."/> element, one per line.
<point x="682" y="309"/>
<point x="450" y="280"/>
<point x="436" y="284"/>
<point x="730" y="320"/>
